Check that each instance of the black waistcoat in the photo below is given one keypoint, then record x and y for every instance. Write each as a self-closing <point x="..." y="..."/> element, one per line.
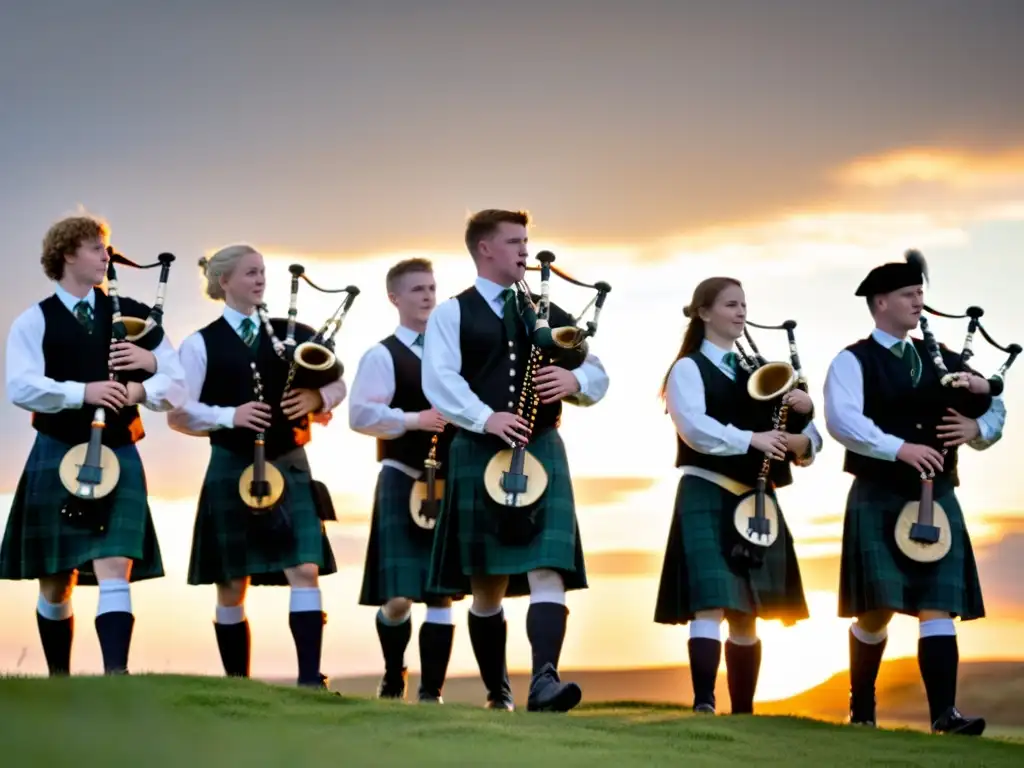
<point x="412" y="447"/>
<point x="912" y="413"/>
<point x="727" y="401"/>
<point x="71" y="354"/>
<point x="495" y="365"/>
<point x="229" y="382"/>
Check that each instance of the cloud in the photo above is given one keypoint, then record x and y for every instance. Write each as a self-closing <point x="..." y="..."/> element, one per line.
<point x="949" y="166"/>
<point x="635" y="563"/>
<point x="608" y="490"/>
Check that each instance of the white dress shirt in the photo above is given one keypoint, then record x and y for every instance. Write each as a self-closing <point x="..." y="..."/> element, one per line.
<point x="844" y="410"/>
<point x="196" y="418"/>
<point x="684" y="398"/>
<point x="28" y="387"/>
<point x="449" y="392"/>
<point x="372" y="390"/>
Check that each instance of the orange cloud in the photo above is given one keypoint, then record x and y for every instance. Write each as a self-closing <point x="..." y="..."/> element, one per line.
<point x="951" y="167"/>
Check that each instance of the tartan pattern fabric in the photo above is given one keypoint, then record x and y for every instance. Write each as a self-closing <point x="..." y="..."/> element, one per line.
<point x="874" y="574"/>
<point x="247" y="331"/>
<point x="907" y="352"/>
<point x="39" y="542"/>
<point x="465" y="537"/>
<point x="397" y="553"/>
<point x="696" y="576"/>
<point x="226" y="544"/>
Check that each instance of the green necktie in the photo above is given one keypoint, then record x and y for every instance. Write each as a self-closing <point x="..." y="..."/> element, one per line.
<point x="418" y="341"/>
<point x="730" y="359"/>
<point x="83" y="312"/>
<point x="907" y="352"/>
<point x="510" y="312"/>
<point x="248" y="330"/>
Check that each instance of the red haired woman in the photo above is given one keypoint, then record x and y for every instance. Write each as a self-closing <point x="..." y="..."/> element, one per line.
<point x="722" y="437"/>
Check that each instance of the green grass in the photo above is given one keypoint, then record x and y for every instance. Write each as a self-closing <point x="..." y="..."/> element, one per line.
<point x="206" y="721"/>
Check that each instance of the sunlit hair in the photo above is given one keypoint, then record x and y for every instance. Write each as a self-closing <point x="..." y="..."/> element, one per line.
<point x="65" y="237"/>
<point x="704" y="297"/>
<point x="406" y="267"/>
<point x="222" y="264"/>
<point x="484" y="224"/>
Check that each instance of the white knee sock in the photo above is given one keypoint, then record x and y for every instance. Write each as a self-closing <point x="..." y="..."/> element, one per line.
<point x="439" y="616"/>
<point x="115" y="597"/>
<point x="54" y="611"/>
<point x="230" y="614"/>
<point x="706" y="629"/>
<point x="938" y="628"/>
<point x="869" y="638"/>
<point x="305" y="599"/>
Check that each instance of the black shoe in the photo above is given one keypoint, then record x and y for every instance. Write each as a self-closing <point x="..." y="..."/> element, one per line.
<point x="549" y="694"/>
<point x="953" y="722"/>
<point x="393" y="686"/>
<point x="704" y="709"/>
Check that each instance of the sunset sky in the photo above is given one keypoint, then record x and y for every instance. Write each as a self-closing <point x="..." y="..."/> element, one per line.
<point x="793" y="145"/>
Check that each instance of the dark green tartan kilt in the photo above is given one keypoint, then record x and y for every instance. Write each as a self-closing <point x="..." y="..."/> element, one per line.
<point x="38" y="542"/>
<point x="398" y="552"/>
<point x="466" y="539"/>
<point x="875" y="575"/>
<point x="230" y="542"/>
<point x="697" y="576"/>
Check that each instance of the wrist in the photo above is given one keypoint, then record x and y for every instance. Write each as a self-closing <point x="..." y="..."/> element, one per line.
<point x="412" y="420"/>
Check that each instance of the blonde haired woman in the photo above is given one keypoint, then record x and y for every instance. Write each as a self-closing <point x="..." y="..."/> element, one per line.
<point x="231" y="547"/>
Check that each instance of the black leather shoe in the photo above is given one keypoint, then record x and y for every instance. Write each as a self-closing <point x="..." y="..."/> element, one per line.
<point x="704" y="709"/>
<point x="392" y="687"/>
<point x="862" y="712"/>
<point x="549" y="694"/>
<point x="953" y="722"/>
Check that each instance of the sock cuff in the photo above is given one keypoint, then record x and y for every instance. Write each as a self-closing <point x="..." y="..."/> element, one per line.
<point x="305" y="599"/>
<point x="439" y="616"/>
<point x="115" y="597"/>
<point x="484" y="613"/>
<point x="230" y="614"/>
<point x="54" y="611"/>
<point x="938" y="628"/>
<point x="706" y="629"/>
<point x="869" y="638"/>
<point x="744" y="640"/>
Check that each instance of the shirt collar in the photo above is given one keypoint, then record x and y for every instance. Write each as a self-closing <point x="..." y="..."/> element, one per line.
<point x="70" y="301"/>
<point x="884" y="338"/>
<point x="235" y="318"/>
<point x="406" y="335"/>
<point x="488" y="288"/>
<point x="713" y="352"/>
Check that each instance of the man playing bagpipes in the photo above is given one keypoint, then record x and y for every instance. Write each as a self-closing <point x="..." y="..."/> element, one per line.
<point x="508" y="524"/>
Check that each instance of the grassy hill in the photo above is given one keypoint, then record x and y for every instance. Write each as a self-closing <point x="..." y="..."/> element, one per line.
<point x="994" y="689"/>
<point x="209" y="721"/>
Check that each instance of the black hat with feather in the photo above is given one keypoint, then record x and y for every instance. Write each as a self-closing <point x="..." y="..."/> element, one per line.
<point x="895" y="275"/>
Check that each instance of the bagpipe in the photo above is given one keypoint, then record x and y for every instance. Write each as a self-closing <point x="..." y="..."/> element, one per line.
<point x="90" y="471"/>
<point x="756" y="515"/>
<point x="514" y="479"/>
<point x="922" y="529"/>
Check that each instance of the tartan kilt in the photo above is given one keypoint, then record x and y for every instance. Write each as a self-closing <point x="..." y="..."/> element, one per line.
<point x="874" y="574"/>
<point x="697" y="576"/>
<point x="466" y="541"/>
<point x="398" y="552"/>
<point x="38" y="542"/>
<point x="228" y="540"/>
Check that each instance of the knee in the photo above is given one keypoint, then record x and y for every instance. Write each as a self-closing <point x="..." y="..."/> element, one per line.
<point x="305" y="575"/>
<point x="112" y="568"/>
<point x="873" y="622"/>
<point x="397" y="609"/>
<point x="231" y="595"/>
<point x="57" y="589"/>
<point x="488" y="592"/>
<point x="742" y="628"/>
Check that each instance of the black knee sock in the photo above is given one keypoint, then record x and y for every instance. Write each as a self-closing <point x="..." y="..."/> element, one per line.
<point x="545" y="629"/>
<point x="865" y="661"/>
<point x="435" y="652"/>
<point x="114" y="630"/>
<point x="234" y="642"/>
<point x="705" y="658"/>
<point x="56" y="637"/>
<point x="488" y="635"/>
<point x="394" y="639"/>
<point x="308" y="632"/>
<point x="938" y="658"/>
<point x="743" y="665"/>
